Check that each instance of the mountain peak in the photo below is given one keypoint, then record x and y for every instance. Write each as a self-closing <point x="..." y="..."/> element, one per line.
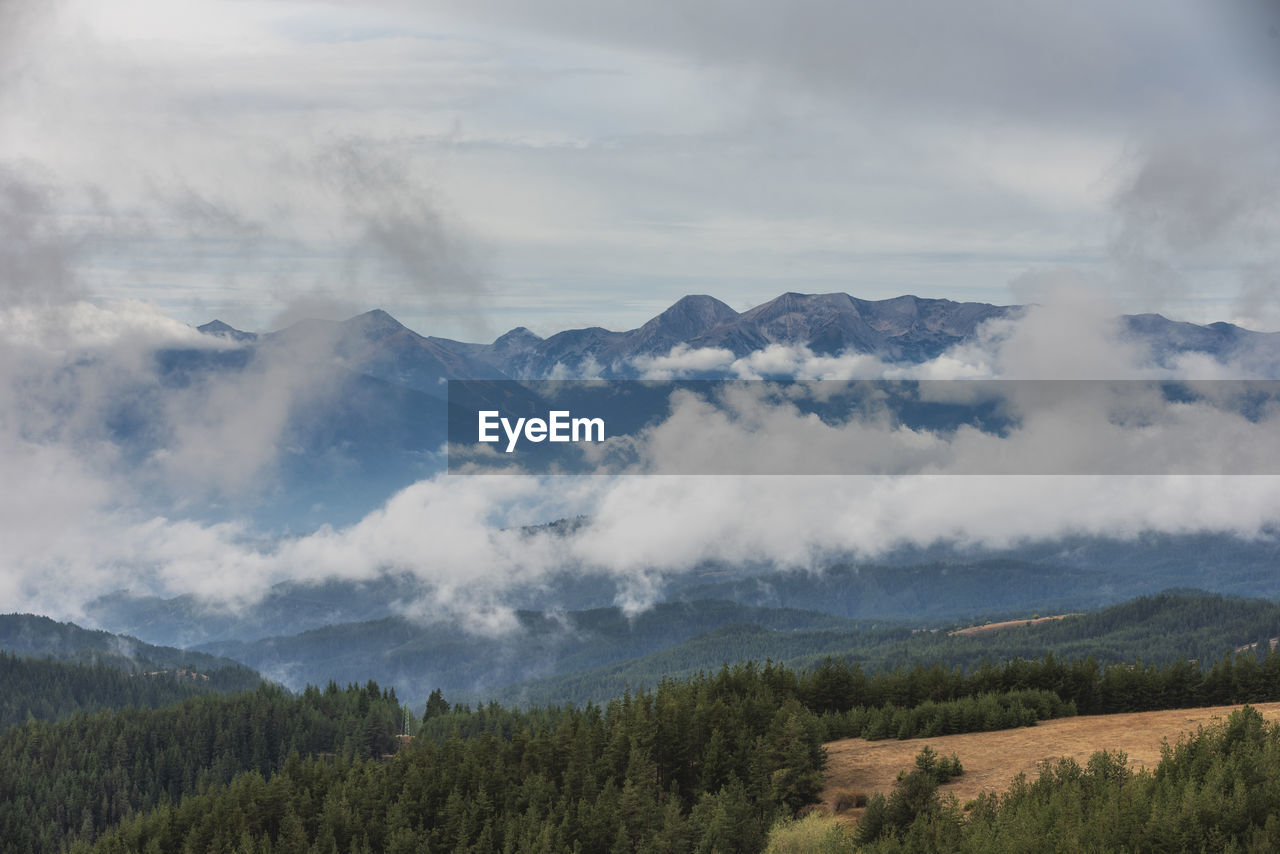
<point x="701" y="302"/>
<point x="225" y="330"/>
<point x="519" y="338"/>
<point x="689" y="317"/>
<point x="376" y="321"/>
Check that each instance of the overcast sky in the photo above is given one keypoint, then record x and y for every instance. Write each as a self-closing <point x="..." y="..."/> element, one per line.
<point x="475" y="165"/>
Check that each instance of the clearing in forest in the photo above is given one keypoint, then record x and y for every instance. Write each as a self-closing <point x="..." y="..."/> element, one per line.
<point x="992" y="759"/>
<point x="1008" y="624"/>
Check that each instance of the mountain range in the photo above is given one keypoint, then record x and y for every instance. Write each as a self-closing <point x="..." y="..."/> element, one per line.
<point x="373" y="418"/>
<point x="903" y="329"/>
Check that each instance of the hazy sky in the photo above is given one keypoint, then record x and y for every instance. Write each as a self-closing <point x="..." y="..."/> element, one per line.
<point x="474" y="165"/>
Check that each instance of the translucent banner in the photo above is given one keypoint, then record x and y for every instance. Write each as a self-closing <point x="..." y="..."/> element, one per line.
<point x="865" y="427"/>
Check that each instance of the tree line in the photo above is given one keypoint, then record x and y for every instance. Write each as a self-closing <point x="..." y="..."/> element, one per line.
<point x="707" y="763"/>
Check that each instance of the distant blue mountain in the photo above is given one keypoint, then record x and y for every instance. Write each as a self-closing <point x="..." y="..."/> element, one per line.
<point x="219" y="329"/>
<point x="903" y="329"/>
<point x="907" y="328"/>
<point x="381" y="420"/>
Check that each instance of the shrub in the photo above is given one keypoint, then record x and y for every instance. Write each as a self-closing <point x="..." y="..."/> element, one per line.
<point x="813" y="834"/>
<point x="846" y="800"/>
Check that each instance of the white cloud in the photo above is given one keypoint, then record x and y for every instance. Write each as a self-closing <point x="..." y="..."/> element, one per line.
<point x="682" y="361"/>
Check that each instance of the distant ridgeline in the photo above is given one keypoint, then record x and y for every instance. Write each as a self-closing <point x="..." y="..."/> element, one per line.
<point x="50" y="670"/>
<point x="1172" y="628"/>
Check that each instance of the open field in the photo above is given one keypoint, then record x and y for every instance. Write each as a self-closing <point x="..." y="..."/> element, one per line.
<point x="1007" y="624"/>
<point x="992" y="759"/>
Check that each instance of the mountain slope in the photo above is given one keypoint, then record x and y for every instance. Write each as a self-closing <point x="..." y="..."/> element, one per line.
<point x="50" y="669"/>
<point x="418" y="659"/>
<point x="1162" y="629"/>
<point x="903" y="328"/>
<point x="43" y="689"/>
<point x="940" y="582"/>
<point x="31" y="636"/>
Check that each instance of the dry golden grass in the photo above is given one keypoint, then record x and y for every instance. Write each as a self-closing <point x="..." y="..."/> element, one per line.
<point x="992" y="759"/>
<point x="1007" y="624"/>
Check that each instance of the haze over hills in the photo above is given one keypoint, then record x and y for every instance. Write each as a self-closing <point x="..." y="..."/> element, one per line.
<point x="943" y="582"/>
<point x="31" y="636"/>
<point x="554" y="656"/>
<point x="339" y="630"/>
<point x="419" y="657"/>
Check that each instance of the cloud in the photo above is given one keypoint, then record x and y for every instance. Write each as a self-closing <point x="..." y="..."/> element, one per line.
<point x="399" y="228"/>
<point x="1208" y="200"/>
<point x="655" y="527"/>
<point x="22" y="23"/>
<point x="1034" y="427"/>
<point x="230" y="186"/>
<point x="37" y="254"/>
<point x="682" y="361"/>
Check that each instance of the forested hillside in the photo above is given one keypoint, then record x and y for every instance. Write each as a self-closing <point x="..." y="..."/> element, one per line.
<point x="28" y="635"/>
<point x="706" y="762"/>
<point x="1217" y="790"/>
<point x="1170" y="627"/>
<point x="77" y="777"/>
<point x="47" y="690"/>
<point x="418" y="658"/>
<point x="703" y="764"/>
<point x="710" y="762"/>
<point x="50" y="670"/>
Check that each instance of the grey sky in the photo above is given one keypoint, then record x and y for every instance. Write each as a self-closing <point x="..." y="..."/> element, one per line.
<point x="568" y="162"/>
